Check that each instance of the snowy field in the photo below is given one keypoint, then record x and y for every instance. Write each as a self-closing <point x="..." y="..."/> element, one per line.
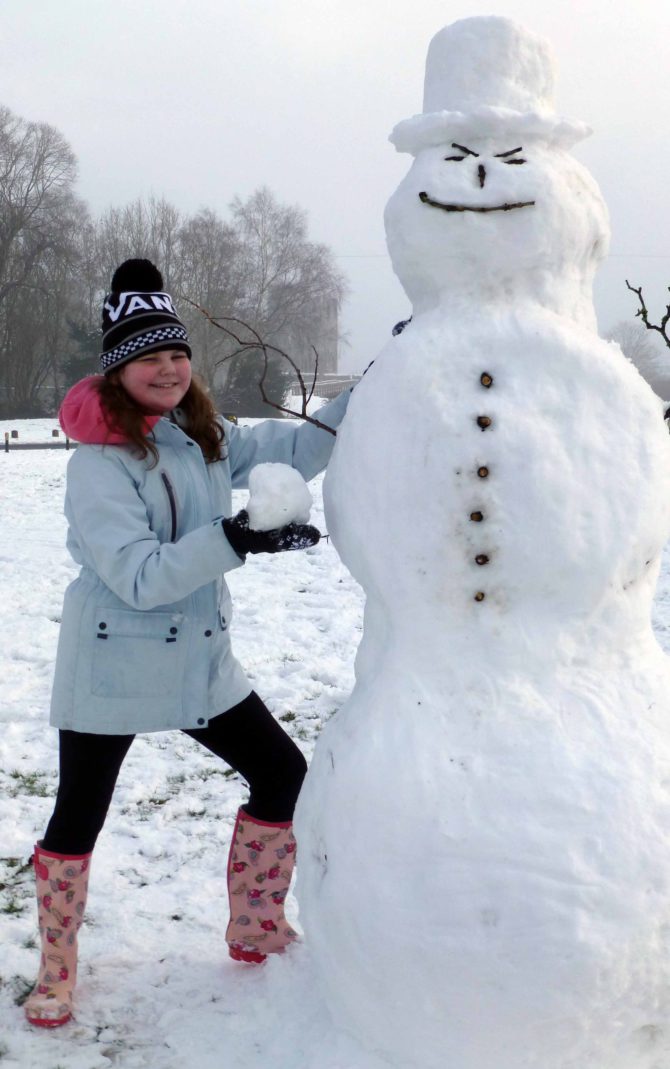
<point x="156" y="989"/>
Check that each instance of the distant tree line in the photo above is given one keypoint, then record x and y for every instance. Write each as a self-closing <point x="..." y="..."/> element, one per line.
<point x="56" y="261"/>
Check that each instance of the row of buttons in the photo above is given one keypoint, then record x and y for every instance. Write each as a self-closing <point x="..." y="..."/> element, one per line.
<point x="483" y="422"/>
<point x="102" y="626"/>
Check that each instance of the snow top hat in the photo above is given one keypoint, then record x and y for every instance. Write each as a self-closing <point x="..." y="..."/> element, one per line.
<point x="490" y="77"/>
<point x="138" y="317"/>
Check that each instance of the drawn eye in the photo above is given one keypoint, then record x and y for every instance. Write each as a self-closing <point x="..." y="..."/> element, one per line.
<point x="511" y="162"/>
<point x="456" y="159"/>
<point x="508" y="157"/>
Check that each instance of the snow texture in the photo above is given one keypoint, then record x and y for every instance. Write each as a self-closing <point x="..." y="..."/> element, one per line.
<point x="278" y="495"/>
<point x="484" y="834"/>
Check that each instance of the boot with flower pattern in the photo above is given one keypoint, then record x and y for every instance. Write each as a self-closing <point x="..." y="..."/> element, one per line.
<point x="260" y="866"/>
<point x="62" y="882"/>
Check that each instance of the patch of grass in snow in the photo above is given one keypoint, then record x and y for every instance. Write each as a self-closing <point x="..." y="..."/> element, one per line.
<point x="146" y="806"/>
<point x="20" y="988"/>
<point x="17" y="891"/>
<point x="12" y="905"/>
<point x="17" y="863"/>
<point x="35" y="783"/>
<point x="203" y="774"/>
<point x="287" y="717"/>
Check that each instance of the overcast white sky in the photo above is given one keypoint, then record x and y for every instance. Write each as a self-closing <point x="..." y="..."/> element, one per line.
<point x="199" y="100"/>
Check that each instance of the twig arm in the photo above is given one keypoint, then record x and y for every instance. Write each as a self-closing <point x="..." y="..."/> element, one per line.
<point x="643" y="313"/>
<point x="256" y="343"/>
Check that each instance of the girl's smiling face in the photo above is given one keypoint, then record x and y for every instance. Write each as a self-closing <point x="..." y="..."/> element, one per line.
<point x="158" y="381"/>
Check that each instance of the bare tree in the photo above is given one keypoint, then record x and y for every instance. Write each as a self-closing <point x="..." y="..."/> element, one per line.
<point x="39" y="221"/>
<point x="285" y="277"/>
<point x="144" y="228"/>
<point x="259" y="267"/>
<point x="649" y="358"/>
<point x="654" y="364"/>
<point x="277" y="287"/>
<point x="210" y="262"/>
<point x="37" y="172"/>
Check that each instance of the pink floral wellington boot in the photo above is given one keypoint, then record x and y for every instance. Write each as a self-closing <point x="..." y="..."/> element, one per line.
<point x="260" y="866"/>
<point x="62" y="882"/>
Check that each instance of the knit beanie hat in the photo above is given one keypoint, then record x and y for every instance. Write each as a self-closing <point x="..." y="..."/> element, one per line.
<point x="138" y="317"/>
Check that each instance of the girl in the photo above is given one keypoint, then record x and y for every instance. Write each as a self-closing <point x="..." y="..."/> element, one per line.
<point x="144" y="642"/>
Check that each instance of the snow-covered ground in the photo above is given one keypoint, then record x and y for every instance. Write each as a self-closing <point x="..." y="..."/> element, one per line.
<point x="157" y="990"/>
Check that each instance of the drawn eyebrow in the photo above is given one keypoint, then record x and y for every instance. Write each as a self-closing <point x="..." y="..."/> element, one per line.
<point x="467" y="151"/>
<point x="511" y="152"/>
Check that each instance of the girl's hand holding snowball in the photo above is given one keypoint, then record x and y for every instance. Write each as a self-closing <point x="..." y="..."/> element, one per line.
<point x="245" y="540"/>
<point x="275" y="519"/>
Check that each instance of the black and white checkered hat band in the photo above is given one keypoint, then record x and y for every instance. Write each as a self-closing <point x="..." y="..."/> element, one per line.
<point x="134" y="346"/>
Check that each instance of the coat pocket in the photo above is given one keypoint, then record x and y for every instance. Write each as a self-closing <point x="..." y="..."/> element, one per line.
<point x="137" y="654"/>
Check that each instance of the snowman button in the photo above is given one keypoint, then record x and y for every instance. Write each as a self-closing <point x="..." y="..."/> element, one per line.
<point x="484" y="422"/>
<point x="481" y="558"/>
<point x="476" y="517"/>
<point x="480" y="595"/>
<point x="482" y="472"/>
<point x="486" y="379"/>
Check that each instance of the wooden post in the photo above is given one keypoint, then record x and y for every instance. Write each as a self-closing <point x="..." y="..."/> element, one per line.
<point x="6" y="441"/>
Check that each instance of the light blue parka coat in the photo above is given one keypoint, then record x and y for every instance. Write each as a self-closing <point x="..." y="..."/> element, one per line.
<point x="144" y="641"/>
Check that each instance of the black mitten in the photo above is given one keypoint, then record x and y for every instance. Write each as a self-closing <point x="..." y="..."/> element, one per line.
<point x="244" y="540"/>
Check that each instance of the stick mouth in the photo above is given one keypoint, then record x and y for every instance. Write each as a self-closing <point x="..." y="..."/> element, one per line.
<point x="425" y="199"/>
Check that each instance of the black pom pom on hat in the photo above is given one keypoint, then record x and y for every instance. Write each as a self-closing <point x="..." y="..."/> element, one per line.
<point x="137" y="276"/>
<point x="138" y="317"/>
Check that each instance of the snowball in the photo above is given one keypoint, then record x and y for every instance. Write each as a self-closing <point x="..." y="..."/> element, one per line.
<point x="278" y="495"/>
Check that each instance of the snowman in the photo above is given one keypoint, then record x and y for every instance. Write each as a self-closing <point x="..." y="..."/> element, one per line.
<point x="484" y="833"/>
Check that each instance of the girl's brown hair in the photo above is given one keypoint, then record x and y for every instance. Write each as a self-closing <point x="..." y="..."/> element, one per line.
<point x="124" y="415"/>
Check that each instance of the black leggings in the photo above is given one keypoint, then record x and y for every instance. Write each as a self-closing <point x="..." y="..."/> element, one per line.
<point x="247" y="737"/>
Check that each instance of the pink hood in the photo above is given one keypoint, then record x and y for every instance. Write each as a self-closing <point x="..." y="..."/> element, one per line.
<point x="82" y="416"/>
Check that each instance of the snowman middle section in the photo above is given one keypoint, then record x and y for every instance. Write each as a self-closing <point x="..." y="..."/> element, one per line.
<point x="511" y="472"/>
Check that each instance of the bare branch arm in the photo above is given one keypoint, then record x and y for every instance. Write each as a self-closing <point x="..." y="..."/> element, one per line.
<point x="643" y="313"/>
<point x="256" y="343"/>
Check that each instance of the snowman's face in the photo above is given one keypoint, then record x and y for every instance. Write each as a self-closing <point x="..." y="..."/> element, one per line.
<point x="487" y="213"/>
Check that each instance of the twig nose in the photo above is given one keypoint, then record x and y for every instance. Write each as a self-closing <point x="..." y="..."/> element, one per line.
<point x="481" y="172"/>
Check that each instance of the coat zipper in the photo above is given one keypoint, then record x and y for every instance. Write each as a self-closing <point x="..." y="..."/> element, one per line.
<point x="173" y="504"/>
